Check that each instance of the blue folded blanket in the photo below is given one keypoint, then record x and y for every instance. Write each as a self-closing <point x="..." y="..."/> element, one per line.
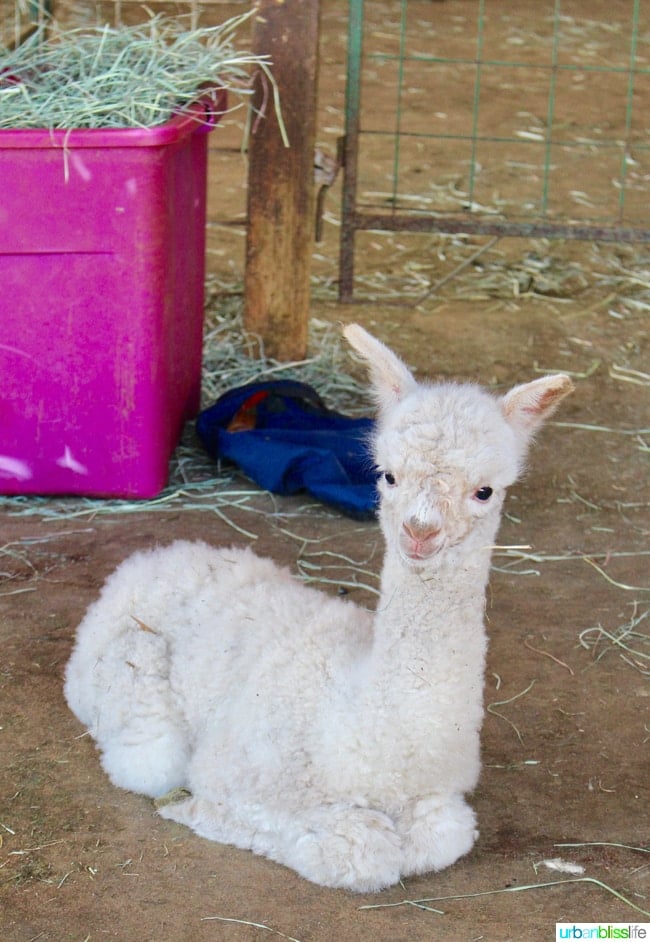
<point x="283" y="437"/>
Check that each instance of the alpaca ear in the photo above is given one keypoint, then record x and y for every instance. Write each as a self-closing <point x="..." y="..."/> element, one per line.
<point x="391" y="379"/>
<point x="527" y="407"/>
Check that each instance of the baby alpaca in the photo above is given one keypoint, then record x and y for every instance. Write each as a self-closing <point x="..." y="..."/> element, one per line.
<point x="303" y="727"/>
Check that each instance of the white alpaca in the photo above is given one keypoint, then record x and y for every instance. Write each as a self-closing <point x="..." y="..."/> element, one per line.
<point x="337" y="742"/>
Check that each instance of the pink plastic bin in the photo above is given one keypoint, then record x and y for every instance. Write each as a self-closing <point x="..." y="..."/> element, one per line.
<point x="102" y="254"/>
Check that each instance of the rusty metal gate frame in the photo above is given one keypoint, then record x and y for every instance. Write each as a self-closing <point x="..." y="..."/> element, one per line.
<point x="354" y="220"/>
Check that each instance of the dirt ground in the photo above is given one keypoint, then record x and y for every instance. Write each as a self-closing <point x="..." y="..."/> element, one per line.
<point x="567" y="725"/>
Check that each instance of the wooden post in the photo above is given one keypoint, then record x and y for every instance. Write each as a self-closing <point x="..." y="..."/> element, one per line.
<point x="281" y="198"/>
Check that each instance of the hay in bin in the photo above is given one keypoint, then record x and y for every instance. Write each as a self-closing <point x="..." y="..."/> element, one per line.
<point x="119" y="77"/>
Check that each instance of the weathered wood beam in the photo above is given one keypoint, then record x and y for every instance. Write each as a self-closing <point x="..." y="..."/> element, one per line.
<point x="281" y="197"/>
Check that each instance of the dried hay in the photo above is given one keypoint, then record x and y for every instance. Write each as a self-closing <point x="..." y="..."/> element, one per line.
<point x="627" y="640"/>
<point x="497" y="703"/>
<point x="248" y="922"/>
<point x="119" y="77"/>
<point x="536" y="275"/>
<point x="424" y="902"/>
<point x="233" y="356"/>
<point x="21" y="566"/>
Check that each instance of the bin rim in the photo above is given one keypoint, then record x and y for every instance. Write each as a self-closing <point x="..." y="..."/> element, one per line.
<point x="202" y="114"/>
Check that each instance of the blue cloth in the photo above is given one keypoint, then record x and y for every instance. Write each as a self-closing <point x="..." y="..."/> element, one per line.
<point x="283" y="437"/>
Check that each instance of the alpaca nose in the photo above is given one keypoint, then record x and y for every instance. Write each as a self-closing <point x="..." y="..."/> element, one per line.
<point x="420" y="532"/>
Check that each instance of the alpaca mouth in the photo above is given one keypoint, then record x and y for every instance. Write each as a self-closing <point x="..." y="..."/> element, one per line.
<point x="421" y="552"/>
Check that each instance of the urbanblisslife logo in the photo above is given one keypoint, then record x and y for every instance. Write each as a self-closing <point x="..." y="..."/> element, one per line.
<point x="602" y="930"/>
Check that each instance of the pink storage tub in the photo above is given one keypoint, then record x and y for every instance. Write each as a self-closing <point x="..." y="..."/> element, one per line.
<point x="102" y="255"/>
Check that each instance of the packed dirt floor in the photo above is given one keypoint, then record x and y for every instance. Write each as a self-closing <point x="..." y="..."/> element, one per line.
<point x="563" y="800"/>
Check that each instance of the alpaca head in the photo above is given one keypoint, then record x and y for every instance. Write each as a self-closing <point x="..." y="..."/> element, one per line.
<point x="446" y="452"/>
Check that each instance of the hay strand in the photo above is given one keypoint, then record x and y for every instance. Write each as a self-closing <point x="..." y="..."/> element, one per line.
<point x="640" y="850"/>
<point x="421" y="903"/>
<point x="618" y="585"/>
<point x="497" y="703"/>
<point x="549" y="655"/>
<point x="248" y="922"/>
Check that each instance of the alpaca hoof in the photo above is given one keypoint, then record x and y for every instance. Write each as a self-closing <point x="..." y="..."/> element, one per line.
<point x="152" y="767"/>
<point x="436" y="833"/>
<point x="355" y="849"/>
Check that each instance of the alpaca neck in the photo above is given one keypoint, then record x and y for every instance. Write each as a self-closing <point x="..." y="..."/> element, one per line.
<point x="424" y="619"/>
<point x="422" y="606"/>
<point x="420" y="688"/>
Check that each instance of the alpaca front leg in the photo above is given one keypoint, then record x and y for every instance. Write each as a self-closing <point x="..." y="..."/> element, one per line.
<point x="333" y="845"/>
<point x="435" y="832"/>
<point x="339" y="845"/>
<point x="149" y="756"/>
<point x="210" y="819"/>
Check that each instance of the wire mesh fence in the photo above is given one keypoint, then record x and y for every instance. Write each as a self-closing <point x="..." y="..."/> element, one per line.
<point x="18" y="18"/>
<point x="522" y="119"/>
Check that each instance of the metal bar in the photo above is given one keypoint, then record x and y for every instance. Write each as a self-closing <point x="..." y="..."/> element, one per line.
<point x="550" y="108"/>
<point x="476" y="100"/>
<point x="398" y="104"/>
<point x="350" y="150"/>
<point x="625" y="158"/>
<point x="532" y="230"/>
<point x="519" y="142"/>
<point x="510" y="64"/>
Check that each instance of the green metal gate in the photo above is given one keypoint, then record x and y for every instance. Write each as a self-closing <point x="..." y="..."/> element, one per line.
<point x="448" y="159"/>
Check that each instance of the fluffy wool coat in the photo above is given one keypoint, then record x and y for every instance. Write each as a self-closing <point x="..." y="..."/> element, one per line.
<point x="333" y="740"/>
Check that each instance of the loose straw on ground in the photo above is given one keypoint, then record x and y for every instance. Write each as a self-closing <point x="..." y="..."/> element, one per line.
<point x="423" y="903"/>
<point x="248" y="922"/>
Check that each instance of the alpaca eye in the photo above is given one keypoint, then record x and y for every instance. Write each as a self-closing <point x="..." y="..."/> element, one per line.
<point x="483" y="494"/>
<point x="389" y="478"/>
